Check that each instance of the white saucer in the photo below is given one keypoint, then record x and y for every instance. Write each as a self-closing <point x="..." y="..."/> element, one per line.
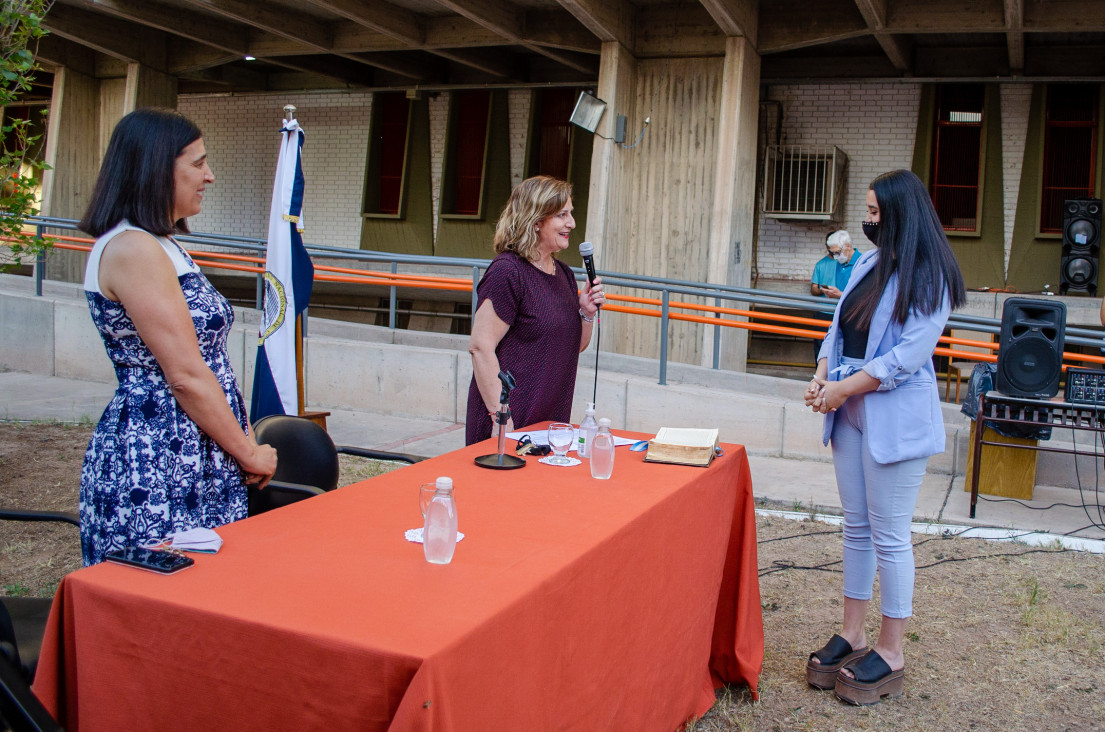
<point x="572" y="461"/>
<point x="415" y="535"/>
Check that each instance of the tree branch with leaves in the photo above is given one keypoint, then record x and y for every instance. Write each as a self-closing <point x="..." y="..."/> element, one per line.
<point x="20" y="31"/>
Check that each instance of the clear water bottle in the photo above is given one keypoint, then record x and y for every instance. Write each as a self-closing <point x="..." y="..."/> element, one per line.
<point x="439" y="535"/>
<point x="602" y="451"/>
<point x="588" y="428"/>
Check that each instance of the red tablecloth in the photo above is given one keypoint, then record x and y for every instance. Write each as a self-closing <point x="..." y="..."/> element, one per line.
<point x="571" y="603"/>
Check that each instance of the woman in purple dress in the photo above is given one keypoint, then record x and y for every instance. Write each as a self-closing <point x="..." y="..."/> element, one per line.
<point x="530" y="320"/>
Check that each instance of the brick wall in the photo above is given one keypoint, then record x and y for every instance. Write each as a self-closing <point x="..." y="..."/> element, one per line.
<point x="242" y="139"/>
<point x="439" y="125"/>
<point x="520" y="102"/>
<point x="1016" y="100"/>
<point x="874" y="124"/>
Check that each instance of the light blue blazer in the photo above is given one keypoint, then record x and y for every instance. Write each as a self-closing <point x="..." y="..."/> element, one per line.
<point x="903" y="415"/>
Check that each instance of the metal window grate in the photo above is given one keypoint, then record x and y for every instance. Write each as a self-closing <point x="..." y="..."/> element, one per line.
<point x="803" y="182"/>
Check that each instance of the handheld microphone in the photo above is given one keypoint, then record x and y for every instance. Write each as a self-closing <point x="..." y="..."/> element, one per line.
<point x="587" y="251"/>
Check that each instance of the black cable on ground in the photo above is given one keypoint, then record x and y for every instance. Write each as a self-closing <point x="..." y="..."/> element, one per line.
<point x="780" y="565"/>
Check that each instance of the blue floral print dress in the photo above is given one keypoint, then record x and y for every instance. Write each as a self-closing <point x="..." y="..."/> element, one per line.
<point x="149" y="470"/>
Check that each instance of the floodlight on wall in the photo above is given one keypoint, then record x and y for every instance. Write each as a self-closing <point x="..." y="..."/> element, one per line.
<point x="588" y="111"/>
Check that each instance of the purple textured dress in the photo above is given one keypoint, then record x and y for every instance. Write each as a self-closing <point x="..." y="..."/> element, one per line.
<point x="541" y="348"/>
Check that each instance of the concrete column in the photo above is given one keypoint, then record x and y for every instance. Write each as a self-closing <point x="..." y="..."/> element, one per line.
<point x="72" y="151"/>
<point x="83" y="112"/>
<point x="617" y="87"/>
<point x="148" y="88"/>
<point x="734" y="210"/>
<point x="112" y="93"/>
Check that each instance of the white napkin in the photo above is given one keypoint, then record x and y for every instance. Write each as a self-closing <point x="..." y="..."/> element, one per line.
<point x="197" y="540"/>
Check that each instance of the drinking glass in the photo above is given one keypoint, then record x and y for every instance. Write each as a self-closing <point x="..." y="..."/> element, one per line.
<point x="425" y="495"/>
<point x="561" y="436"/>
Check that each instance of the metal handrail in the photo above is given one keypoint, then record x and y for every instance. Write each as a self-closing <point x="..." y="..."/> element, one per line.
<point x="665" y="287"/>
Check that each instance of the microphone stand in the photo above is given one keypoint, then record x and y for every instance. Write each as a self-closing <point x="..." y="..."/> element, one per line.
<point x="598" y="341"/>
<point x="500" y="460"/>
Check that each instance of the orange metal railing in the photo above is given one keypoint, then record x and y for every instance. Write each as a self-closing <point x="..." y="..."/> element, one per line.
<point x="752" y="320"/>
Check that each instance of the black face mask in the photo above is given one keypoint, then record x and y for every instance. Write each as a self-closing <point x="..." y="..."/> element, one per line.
<point x="871" y="231"/>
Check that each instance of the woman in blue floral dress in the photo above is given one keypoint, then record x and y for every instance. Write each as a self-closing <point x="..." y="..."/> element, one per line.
<point x="173" y="450"/>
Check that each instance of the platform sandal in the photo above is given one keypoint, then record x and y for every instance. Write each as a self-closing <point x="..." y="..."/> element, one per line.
<point x="873" y="680"/>
<point x="832" y="656"/>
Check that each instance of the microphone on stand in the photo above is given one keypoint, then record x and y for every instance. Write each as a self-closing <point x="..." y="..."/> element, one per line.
<point x="500" y="460"/>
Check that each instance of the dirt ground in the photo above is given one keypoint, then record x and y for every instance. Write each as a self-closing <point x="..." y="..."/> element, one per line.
<point x="1004" y="636"/>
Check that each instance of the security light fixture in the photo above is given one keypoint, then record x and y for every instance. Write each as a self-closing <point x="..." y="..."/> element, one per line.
<point x="588" y="111"/>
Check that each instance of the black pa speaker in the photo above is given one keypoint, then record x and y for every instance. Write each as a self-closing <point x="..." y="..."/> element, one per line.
<point x="1081" y="245"/>
<point x="1030" y="353"/>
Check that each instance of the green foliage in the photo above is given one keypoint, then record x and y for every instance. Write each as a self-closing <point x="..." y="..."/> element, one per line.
<point x="17" y="589"/>
<point x="20" y="31"/>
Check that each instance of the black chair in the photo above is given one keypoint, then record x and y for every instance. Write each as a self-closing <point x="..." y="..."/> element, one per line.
<point x="20" y="709"/>
<point x="27" y="615"/>
<point x="307" y="461"/>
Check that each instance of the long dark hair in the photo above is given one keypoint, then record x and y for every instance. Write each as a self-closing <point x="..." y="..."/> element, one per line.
<point x="136" y="178"/>
<point x="912" y="243"/>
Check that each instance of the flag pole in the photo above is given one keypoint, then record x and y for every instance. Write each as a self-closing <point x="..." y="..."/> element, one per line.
<point x="301" y="388"/>
<point x="279" y="383"/>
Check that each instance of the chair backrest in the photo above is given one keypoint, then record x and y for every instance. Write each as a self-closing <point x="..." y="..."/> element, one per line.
<point x="304" y="451"/>
<point x="20" y="709"/>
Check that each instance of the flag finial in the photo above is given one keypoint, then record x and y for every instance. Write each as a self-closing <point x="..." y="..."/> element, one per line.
<point x="289" y="112"/>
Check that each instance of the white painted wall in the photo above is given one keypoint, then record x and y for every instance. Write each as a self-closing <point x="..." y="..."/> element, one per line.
<point x="874" y="124"/>
<point x="242" y="136"/>
<point x="1016" y="100"/>
<point x="439" y="123"/>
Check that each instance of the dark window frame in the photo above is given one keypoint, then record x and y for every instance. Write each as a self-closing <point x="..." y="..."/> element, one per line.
<point x="543" y="118"/>
<point x="1051" y="130"/>
<point x="381" y="168"/>
<point x="459" y="168"/>
<point x="952" y="178"/>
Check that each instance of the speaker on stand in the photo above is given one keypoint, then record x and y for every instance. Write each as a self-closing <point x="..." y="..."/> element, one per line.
<point x="1081" y="245"/>
<point x="1030" y="352"/>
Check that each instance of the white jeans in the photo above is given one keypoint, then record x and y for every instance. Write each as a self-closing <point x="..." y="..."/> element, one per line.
<point x="878" y="502"/>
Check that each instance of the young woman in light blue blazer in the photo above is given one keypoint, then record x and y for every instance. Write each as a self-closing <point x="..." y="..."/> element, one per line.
<point x="876" y="386"/>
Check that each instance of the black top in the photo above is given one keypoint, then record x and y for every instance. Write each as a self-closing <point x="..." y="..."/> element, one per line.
<point x="855" y="338"/>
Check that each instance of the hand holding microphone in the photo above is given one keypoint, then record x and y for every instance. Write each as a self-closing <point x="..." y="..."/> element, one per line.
<point x="592" y="298"/>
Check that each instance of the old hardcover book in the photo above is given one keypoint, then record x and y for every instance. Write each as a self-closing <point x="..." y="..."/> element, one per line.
<point x="683" y="446"/>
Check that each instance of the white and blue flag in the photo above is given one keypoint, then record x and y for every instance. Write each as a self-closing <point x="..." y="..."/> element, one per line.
<point x="288" y="278"/>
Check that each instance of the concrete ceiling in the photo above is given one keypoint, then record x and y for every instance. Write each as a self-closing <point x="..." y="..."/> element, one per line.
<point x="340" y="44"/>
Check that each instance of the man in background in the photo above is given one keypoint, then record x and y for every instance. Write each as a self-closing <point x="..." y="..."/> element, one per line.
<point x="831" y="273"/>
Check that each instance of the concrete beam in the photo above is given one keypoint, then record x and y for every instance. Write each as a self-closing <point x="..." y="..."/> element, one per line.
<point x="110" y="36"/>
<point x="736" y="17"/>
<point x="608" y="20"/>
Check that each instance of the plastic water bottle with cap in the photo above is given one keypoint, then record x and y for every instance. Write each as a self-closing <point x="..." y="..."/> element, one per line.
<point x="602" y="451"/>
<point x="439" y="535"/>
<point x="588" y="428"/>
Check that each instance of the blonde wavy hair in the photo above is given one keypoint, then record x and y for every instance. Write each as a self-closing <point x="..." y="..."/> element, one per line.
<point x="531" y="202"/>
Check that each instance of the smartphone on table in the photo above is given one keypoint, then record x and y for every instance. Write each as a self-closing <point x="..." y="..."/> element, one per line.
<point x="152" y="560"/>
